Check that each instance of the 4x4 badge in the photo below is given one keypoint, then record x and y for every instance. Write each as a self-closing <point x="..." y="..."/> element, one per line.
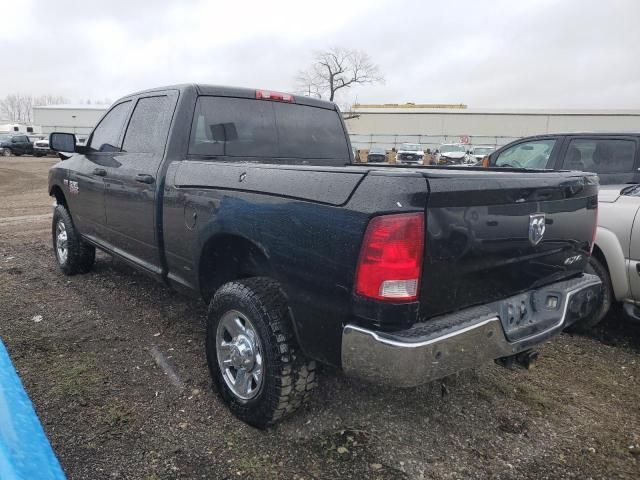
<point x="537" y="226"/>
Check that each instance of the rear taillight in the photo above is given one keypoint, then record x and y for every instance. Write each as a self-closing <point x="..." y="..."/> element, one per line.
<point x="390" y="263"/>
<point x="275" y="96"/>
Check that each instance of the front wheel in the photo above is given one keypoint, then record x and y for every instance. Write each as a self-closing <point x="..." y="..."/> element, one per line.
<point x="253" y="357"/>
<point x="72" y="253"/>
<point x="6" y="152"/>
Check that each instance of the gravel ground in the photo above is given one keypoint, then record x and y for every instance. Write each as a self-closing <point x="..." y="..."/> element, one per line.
<point x="88" y="349"/>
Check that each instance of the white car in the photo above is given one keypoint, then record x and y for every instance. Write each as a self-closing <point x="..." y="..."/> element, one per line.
<point x="410" y="153"/>
<point x="478" y="152"/>
<point x="452" y="153"/>
<point x="41" y="148"/>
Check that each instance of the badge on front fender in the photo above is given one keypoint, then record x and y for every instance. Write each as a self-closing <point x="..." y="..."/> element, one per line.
<point x="537" y="226"/>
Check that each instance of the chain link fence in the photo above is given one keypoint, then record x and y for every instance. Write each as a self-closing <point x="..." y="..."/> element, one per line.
<point x="389" y="141"/>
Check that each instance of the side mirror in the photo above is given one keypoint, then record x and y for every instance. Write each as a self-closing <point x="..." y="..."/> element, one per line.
<point x="62" y="142"/>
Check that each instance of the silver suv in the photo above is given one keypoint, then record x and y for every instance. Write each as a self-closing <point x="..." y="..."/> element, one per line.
<point x="616" y="254"/>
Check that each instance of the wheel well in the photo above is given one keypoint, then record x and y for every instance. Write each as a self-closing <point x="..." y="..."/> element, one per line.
<point x="599" y="255"/>
<point x="226" y="258"/>
<point x="56" y="191"/>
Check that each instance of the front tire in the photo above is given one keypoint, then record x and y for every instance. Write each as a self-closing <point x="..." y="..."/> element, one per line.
<point x="253" y="357"/>
<point x="73" y="255"/>
<point x="595" y="267"/>
<point x="6" y="152"/>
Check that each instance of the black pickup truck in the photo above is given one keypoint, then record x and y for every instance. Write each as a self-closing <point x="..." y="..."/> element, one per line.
<point x="250" y="200"/>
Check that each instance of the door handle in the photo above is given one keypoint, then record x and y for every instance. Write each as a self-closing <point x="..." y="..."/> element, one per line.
<point x="100" y="172"/>
<point x="144" y="178"/>
<point x="638" y="268"/>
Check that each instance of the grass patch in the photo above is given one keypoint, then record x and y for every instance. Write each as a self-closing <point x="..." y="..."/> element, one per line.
<point x="533" y="396"/>
<point x="522" y="392"/>
<point x="76" y="376"/>
<point x="117" y="416"/>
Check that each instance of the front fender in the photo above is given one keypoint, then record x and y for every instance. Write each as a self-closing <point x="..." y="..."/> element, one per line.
<point x="608" y="243"/>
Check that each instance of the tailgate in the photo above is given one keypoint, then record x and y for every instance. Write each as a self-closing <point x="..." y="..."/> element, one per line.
<point x="483" y="234"/>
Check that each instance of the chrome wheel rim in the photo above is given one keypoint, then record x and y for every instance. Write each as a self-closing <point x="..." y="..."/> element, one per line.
<point x="61" y="242"/>
<point x="239" y="353"/>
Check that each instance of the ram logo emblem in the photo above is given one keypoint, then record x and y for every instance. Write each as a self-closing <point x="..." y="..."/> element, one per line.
<point x="537" y="226"/>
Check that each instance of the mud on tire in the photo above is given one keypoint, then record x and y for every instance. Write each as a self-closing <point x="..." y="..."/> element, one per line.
<point x="80" y="256"/>
<point x="288" y="377"/>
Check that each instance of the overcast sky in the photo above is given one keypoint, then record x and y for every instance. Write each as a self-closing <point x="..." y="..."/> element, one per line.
<point x="524" y="53"/>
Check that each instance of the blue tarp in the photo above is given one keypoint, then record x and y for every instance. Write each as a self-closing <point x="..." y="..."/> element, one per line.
<point x="25" y="452"/>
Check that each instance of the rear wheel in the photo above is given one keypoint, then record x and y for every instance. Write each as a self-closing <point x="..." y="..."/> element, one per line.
<point x="253" y="357"/>
<point x="72" y="253"/>
<point x="595" y="267"/>
<point x="6" y="152"/>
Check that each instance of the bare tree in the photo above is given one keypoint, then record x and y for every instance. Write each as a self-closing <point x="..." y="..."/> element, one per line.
<point x="19" y="108"/>
<point x="336" y="69"/>
<point x="12" y="107"/>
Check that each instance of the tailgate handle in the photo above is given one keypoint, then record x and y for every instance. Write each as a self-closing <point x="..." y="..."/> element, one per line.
<point x="100" y="172"/>
<point x="144" y="178"/>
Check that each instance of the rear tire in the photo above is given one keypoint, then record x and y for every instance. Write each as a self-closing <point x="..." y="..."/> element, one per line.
<point x="249" y="335"/>
<point x="595" y="267"/>
<point x="6" y="152"/>
<point x="73" y="255"/>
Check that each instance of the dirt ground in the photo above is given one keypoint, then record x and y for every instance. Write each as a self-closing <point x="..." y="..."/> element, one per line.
<point x="88" y="349"/>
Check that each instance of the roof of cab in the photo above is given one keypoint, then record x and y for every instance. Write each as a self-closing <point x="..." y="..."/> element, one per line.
<point x="238" y="92"/>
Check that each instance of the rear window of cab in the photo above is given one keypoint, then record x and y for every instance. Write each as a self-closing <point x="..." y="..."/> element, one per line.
<point x="250" y="128"/>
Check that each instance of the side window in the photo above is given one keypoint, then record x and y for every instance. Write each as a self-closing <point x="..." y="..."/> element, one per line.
<point x="149" y="125"/>
<point x="106" y="135"/>
<point x="600" y="155"/>
<point x="534" y="154"/>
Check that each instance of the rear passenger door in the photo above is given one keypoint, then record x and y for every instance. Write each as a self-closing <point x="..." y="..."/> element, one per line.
<point x="132" y="185"/>
<point x="613" y="158"/>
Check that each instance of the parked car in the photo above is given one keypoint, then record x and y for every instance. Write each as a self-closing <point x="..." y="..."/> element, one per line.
<point x="15" y="145"/>
<point x="410" y="154"/>
<point x="615" y="157"/>
<point x="377" y="154"/>
<point x="478" y="152"/>
<point x="452" y="153"/>
<point x="41" y="148"/>
<point x="616" y="254"/>
<point x="398" y="275"/>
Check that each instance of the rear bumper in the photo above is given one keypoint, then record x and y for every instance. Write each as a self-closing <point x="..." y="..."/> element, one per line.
<point x="469" y="338"/>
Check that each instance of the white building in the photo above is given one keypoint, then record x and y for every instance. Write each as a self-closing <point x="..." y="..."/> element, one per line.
<point x="78" y="119"/>
<point x="389" y="125"/>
